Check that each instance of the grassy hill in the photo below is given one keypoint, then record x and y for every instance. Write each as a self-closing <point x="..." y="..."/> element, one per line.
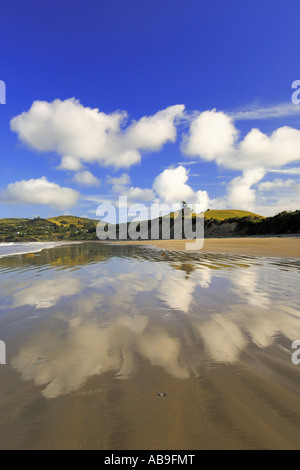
<point x="64" y="227"/>
<point x="72" y="219"/>
<point x="229" y="214"/>
<point x="12" y="221"/>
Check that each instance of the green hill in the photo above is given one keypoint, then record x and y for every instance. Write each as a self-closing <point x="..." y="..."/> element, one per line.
<point x="63" y="227"/>
<point x="229" y="214"/>
<point x="11" y="221"/>
<point x="71" y="219"/>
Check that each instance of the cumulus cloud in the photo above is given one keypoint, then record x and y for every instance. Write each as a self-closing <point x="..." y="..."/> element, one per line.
<point x="139" y="194"/>
<point x="213" y="137"/>
<point x="171" y="188"/>
<point x="240" y="193"/>
<point x="81" y="134"/>
<point x="276" y="150"/>
<point x="40" y="191"/>
<point x="70" y="163"/>
<point x="86" y="178"/>
<point x="275" y="204"/>
<point x="119" y="183"/>
<point x="266" y="198"/>
<point x="276" y="184"/>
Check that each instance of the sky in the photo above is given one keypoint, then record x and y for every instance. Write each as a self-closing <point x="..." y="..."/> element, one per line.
<point x="156" y="100"/>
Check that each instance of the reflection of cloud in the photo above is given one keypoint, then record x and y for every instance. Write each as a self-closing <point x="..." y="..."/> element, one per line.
<point x="163" y="351"/>
<point x="222" y="338"/>
<point x="178" y="291"/>
<point x="245" y="285"/>
<point x="226" y="335"/>
<point x="47" y="292"/>
<point x="106" y="331"/>
<point x="88" y="350"/>
<point x="119" y="291"/>
<point x="264" y="327"/>
<point x="204" y="276"/>
<point x="254" y="317"/>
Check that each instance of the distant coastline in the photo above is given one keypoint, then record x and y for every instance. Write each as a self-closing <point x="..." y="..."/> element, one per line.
<point x="217" y="224"/>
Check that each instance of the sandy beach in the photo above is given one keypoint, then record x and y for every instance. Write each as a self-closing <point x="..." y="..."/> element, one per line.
<point x="282" y="247"/>
<point x="233" y="407"/>
<point x="95" y="331"/>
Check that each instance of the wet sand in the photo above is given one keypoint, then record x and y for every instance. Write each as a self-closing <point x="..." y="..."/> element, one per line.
<point x="95" y="332"/>
<point x="233" y="407"/>
<point x="266" y="246"/>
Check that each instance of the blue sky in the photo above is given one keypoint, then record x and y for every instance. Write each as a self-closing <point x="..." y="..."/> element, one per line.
<point x="157" y="100"/>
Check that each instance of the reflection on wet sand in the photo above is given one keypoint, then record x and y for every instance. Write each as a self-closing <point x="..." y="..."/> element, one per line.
<point x="145" y="320"/>
<point x="46" y="293"/>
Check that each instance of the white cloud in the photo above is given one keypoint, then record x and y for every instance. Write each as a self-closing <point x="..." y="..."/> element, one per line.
<point x="273" y="205"/>
<point x="139" y="194"/>
<point x="120" y="186"/>
<point x="80" y="134"/>
<point x="171" y="188"/>
<point x="240" y="195"/>
<point x="151" y="132"/>
<point x="86" y="178"/>
<point x="119" y="183"/>
<point x="266" y="198"/>
<point x="286" y="171"/>
<point x="40" y="191"/>
<point x="70" y="163"/>
<point x="258" y="149"/>
<point x="213" y="137"/>
<point x="187" y="163"/>
<point x="275" y="184"/>
<point x="275" y="111"/>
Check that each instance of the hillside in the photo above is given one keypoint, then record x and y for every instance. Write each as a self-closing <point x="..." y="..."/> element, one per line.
<point x="283" y="223"/>
<point x="12" y="221"/>
<point x="217" y="224"/>
<point x="64" y="227"/>
<point x="71" y="219"/>
<point x="229" y="214"/>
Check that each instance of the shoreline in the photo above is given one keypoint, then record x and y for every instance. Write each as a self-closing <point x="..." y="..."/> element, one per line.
<point x="282" y="246"/>
<point x="277" y="247"/>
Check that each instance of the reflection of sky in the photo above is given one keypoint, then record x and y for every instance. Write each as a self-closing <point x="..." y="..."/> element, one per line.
<point x="47" y="292"/>
<point x="126" y="309"/>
